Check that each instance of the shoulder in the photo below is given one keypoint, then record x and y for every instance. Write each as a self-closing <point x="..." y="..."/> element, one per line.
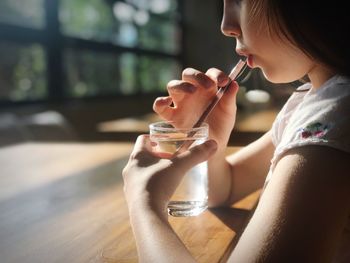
<point x="321" y="117"/>
<point x="313" y="182"/>
<point x="316" y="165"/>
<point x="303" y="210"/>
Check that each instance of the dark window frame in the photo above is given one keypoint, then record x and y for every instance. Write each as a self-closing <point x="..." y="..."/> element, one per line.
<point x="54" y="42"/>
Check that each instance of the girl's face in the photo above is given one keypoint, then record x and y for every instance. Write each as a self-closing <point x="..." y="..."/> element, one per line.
<point x="279" y="61"/>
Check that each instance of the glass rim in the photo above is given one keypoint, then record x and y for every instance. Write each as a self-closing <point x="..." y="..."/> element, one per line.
<point x="154" y="126"/>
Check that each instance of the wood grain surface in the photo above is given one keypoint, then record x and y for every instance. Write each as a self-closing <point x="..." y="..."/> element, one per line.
<point x="65" y="203"/>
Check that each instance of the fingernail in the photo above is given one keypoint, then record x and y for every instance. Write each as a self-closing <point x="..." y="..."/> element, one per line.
<point x="221" y="79"/>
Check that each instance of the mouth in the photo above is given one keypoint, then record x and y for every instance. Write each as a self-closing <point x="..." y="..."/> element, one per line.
<point x="250" y="61"/>
<point x="249" y="57"/>
<point x="242" y="52"/>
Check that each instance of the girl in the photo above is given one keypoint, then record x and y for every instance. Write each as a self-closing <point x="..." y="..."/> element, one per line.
<point x="303" y="212"/>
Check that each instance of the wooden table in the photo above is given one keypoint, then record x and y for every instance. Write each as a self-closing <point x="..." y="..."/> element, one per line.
<point x="65" y="203"/>
<point x="249" y="126"/>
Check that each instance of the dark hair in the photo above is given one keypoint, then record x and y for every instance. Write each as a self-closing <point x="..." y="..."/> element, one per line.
<point x="319" y="28"/>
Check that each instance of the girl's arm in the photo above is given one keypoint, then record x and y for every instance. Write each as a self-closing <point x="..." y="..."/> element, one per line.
<point x="302" y="211"/>
<point x="234" y="177"/>
<point x="149" y="182"/>
<point x="155" y="239"/>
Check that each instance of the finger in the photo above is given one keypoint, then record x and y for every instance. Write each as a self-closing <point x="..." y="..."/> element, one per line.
<point x="198" y="78"/>
<point x="162" y="103"/>
<point x="178" y="89"/>
<point x="220" y="77"/>
<point x="142" y="155"/>
<point x="230" y="94"/>
<point x="195" y="155"/>
<point x="143" y="143"/>
<point x="162" y="106"/>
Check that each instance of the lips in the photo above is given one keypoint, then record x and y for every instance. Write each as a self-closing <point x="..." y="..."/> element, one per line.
<point x="245" y="53"/>
<point x="242" y="52"/>
<point x="250" y="61"/>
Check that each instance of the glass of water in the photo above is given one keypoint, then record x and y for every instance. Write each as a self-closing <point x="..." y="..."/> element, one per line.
<point x="191" y="196"/>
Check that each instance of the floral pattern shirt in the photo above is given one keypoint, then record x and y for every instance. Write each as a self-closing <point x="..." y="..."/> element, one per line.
<point x="314" y="117"/>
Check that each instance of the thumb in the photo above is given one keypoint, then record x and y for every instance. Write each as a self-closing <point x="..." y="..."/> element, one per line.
<point x="195" y="155"/>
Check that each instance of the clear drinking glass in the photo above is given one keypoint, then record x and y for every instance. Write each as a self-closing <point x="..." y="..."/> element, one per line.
<point x="191" y="196"/>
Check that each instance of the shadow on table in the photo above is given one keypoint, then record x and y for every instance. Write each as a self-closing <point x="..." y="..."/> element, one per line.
<point x="236" y="219"/>
<point x="227" y="214"/>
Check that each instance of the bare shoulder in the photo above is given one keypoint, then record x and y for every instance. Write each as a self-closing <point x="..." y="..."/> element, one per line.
<point x="302" y="211"/>
<point x="324" y="168"/>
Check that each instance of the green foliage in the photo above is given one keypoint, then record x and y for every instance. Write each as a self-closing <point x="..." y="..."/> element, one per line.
<point x="22" y="72"/>
<point x="27" y="13"/>
<point x="149" y="25"/>
<point x="88" y="19"/>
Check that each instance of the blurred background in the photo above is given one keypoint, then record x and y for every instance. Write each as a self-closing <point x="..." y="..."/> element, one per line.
<point x="90" y="69"/>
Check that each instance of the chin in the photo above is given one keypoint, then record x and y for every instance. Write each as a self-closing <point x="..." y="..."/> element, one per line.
<point x="278" y="78"/>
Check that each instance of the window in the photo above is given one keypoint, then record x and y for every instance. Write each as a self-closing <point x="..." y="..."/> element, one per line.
<point x="22" y="67"/>
<point x="28" y="13"/>
<point x="57" y="50"/>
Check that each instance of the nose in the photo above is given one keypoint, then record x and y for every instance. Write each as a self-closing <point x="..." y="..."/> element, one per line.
<point x="230" y="25"/>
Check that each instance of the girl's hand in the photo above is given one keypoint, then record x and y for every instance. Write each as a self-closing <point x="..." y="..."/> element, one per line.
<point x="189" y="97"/>
<point x="149" y="181"/>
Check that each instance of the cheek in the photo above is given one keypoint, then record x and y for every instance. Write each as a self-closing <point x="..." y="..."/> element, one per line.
<point x="285" y="70"/>
<point x="281" y="63"/>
